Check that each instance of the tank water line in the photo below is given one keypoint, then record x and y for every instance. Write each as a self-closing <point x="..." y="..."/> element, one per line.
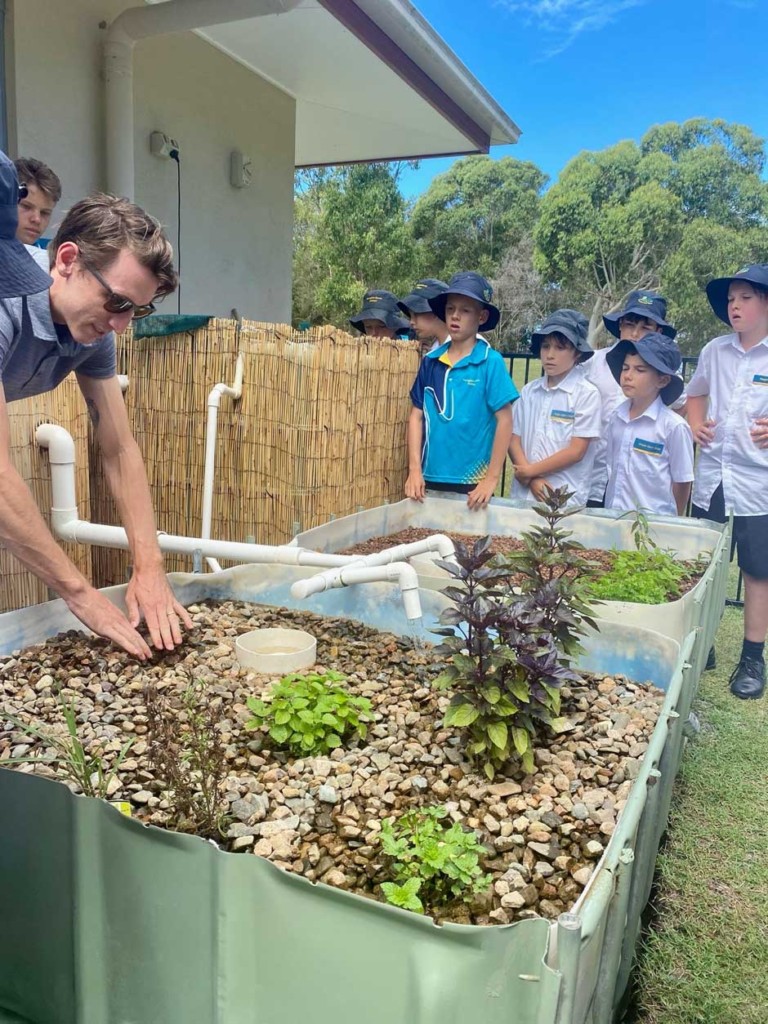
<point x="214" y="400"/>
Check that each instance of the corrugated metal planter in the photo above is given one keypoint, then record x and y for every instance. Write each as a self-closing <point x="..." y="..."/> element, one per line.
<point x="699" y="610"/>
<point x="106" y="921"/>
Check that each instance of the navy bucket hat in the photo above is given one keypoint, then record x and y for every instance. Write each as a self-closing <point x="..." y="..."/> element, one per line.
<point x="381" y="305"/>
<point x="645" y="304"/>
<point x="717" y="290"/>
<point x="572" y="324"/>
<point x="417" y="301"/>
<point x="473" y="286"/>
<point x="19" y="274"/>
<point x="658" y="351"/>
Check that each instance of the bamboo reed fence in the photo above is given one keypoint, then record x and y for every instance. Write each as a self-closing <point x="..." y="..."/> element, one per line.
<point x="318" y="432"/>
<point x="65" y="407"/>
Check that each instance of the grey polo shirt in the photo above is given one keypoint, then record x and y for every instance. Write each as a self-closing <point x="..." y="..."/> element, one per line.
<point x="36" y="354"/>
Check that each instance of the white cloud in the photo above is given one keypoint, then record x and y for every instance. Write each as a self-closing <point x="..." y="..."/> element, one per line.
<point x="566" y="20"/>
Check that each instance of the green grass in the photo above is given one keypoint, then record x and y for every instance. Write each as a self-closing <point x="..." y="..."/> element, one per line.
<point x="705" y="961"/>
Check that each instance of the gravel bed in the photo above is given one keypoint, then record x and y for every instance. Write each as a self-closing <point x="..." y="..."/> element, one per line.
<point x="501" y="545"/>
<point x="321" y="816"/>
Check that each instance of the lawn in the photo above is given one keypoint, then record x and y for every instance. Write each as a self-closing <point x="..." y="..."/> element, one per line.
<point x="705" y="960"/>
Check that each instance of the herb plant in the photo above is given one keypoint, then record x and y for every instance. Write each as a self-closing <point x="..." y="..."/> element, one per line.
<point x="90" y="771"/>
<point x="432" y="863"/>
<point x="504" y="669"/>
<point x="185" y="751"/>
<point x="310" y="713"/>
<point x="556" y="573"/>
<point x="641" y="577"/>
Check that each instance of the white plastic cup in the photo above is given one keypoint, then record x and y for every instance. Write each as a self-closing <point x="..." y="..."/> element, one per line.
<point x="276" y="651"/>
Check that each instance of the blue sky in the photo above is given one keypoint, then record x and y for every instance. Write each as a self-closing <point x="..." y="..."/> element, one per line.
<point x="584" y="74"/>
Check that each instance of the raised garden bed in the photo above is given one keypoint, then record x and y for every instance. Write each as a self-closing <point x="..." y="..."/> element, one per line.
<point x="321" y="816"/>
<point x="604" y="561"/>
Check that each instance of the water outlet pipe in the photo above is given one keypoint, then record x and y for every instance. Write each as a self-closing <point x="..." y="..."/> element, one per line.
<point x="214" y="400"/>
<point x="368" y="568"/>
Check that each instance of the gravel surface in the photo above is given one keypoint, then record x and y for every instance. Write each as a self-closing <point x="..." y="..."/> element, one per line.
<point x="321" y="816"/>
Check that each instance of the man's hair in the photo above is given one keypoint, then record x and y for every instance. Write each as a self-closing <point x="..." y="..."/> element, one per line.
<point x="102" y="226"/>
<point x="34" y="172"/>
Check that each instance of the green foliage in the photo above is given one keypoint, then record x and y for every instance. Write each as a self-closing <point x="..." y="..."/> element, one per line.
<point x="309" y="714"/>
<point x="432" y="863"/>
<point x="504" y="667"/>
<point x="641" y="577"/>
<point x="89" y="771"/>
<point x="556" y="573"/>
<point x="186" y="753"/>
<point x="471" y="215"/>
<point x="687" y="204"/>
<point x="351" y="233"/>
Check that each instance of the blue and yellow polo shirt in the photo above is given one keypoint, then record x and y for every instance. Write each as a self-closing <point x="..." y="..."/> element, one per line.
<point x="459" y="403"/>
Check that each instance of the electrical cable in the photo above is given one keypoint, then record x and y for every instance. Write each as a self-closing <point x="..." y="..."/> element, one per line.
<point x="174" y="154"/>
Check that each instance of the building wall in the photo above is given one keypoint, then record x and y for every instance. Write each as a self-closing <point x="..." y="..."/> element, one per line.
<point x="235" y="243"/>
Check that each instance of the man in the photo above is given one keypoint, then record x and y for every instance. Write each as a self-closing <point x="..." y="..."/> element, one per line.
<point x="109" y="260"/>
<point x="43" y="192"/>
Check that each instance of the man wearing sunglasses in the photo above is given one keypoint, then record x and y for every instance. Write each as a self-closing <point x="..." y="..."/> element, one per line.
<point x="109" y="262"/>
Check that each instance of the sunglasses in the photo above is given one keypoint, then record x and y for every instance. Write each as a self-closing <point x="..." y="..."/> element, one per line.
<point x="119" y="303"/>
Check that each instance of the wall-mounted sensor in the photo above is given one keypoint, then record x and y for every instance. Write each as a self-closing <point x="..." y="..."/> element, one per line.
<point x="240" y="171"/>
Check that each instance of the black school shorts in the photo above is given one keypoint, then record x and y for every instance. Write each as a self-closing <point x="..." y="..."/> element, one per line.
<point x="750" y="535"/>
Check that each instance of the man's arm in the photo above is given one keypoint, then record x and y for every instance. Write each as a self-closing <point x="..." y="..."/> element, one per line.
<point x="483" y="493"/>
<point x="148" y="592"/>
<point x="24" y="532"/>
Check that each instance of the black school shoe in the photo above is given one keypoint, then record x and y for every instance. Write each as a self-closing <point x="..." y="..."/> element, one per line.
<point x="748" y="679"/>
<point x="711" y="660"/>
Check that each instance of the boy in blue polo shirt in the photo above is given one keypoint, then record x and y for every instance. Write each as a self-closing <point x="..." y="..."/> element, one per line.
<point x="461" y="421"/>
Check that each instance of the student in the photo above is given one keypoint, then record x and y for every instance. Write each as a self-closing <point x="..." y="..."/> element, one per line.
<point x="380" y="316"/>
<point x="558" y="415"/>
<point x="728" y="414"/>
<point x="429" y="330"/>
<point x="649" y="447"/>
<point x="461" y="420"/>
<point x="644" y="312"/>
<point x="35" y="208"/>
<point x="109" y="261"/>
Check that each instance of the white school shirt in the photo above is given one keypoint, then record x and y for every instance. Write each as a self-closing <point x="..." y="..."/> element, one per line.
<point x="599" y="373"/>
<point x="646" y="455"/>
<point x="546" y="419"/>
<point x="737" y="384"/>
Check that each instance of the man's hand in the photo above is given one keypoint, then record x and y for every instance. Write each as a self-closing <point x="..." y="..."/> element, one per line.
<point x="149" y="595"/>
<point x="759" y="432"/>
<point x="482" y="494"/>
<point x="414" y="485"/>
<point x="539" y="488"/>
<point x="99" y="614"/>
<point x="704" y="433"/>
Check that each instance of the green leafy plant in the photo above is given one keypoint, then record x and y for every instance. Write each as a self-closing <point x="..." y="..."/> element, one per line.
<point x="641" y="531"/>
<point x="555" y="573"/>
<point x="641" y="577"/>
<point x="186" y="752"/>
<point x="310" y="713"/>
<point x="504" y="667"/>
<point x="89" y="770"/>
<point x="432" y="863"/>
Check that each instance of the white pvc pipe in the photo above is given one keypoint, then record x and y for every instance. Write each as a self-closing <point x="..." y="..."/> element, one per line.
<point x="141" y="23"/>
<point x="343" y="570"/>
<point x="347" y="575"/>
<point x="214" y="399"/>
